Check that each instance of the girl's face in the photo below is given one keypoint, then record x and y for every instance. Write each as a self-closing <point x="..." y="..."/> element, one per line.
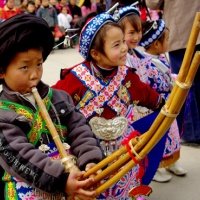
<point x="24" y="71"/>
<point x="164" y="44"/>
<point x="132" y="36"/>
<point x="64" y="10"/>
<point x="115" y="49"/>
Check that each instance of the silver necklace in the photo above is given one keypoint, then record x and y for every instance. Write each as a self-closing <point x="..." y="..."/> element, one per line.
<point x="107" y="129"/>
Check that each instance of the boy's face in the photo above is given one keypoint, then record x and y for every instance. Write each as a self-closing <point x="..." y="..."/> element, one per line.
<point x="45" y="3"/>
<point x="31" y="8"/>
<point x="72" y="2"/>
<point x="24" y="71"/>
<point x="10" y="4"/>
<point x="132" y="36"/>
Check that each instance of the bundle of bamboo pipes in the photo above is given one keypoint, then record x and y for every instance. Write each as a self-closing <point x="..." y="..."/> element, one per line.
<point x="142" y="145"/>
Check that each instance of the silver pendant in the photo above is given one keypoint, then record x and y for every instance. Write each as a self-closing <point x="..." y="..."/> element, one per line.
<point x="108" y="129"/>
<point x="44" y="147"/>
<point x="66" y="146"/>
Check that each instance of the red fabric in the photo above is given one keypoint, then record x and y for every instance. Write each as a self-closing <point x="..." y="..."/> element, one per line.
<point x="7" y="13"/>
<point x="144" y="163"/>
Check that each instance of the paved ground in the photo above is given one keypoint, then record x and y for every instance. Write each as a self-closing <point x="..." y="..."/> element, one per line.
<point x="179" y="188"/>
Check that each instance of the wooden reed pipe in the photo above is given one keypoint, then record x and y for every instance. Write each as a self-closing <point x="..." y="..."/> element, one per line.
<point x="65" y="158"/>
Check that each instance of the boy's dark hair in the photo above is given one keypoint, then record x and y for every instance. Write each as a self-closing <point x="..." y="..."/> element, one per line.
<point x="31" y="3"/>
<point x="21" y="33"/>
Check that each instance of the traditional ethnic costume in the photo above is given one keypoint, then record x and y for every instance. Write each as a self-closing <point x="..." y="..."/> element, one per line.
<point x="103" y="97"/>
<point x="27" y="149"/>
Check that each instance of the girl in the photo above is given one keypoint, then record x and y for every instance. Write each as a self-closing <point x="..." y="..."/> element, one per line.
<point x="155" y="43"/>
<point x="27" y="149"/>
<point x="64" y="19"/>
<point x="130" y="22"/>
<point x="104" y="88"/>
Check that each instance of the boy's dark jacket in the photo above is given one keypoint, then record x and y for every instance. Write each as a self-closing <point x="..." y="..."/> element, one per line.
<point x="40" y="172"/>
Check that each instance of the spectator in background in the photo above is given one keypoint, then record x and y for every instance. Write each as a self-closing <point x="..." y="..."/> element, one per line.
<point x="30" y="9"/>
<point x="37" y="5"/>
<point x="48" y="13"/>
<point x="23" y="6"/>
<point x="9" y="10"/>
<point x="60" y="4"/>
<point x="75" y="11"/>
<point x="53" y="3"/>
<point x="101" y="6"/>
<point x="64" y="18"/>
<point x="180" y="26"/>
<point x="88" y="7"/>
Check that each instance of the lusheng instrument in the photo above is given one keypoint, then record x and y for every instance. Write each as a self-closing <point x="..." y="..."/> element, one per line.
<point x="142" y="145"/>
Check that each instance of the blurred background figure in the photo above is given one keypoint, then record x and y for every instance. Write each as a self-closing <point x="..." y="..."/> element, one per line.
<point x="101" y="6"/>
<point x="49" y="14"/>
<point x="53" y="3"/>
<point x="37" y="5"/>
<point x="9" y="10"/>
<point x="30" y="9"/>
<point x="88" y="7"/>
<point x="23" y="6"/>
<point x="75" y="11"/>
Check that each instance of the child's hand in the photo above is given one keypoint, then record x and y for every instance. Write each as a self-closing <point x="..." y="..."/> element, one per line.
<point x="89" y="166"/>
<point x="74" y="187"/>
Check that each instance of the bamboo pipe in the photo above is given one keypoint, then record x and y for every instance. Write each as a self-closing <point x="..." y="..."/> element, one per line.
<point x="188" y="54"/>
<point x="66" y="159"/>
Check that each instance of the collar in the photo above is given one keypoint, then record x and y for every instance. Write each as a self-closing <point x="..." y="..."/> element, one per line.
<point x="16" y="97"/>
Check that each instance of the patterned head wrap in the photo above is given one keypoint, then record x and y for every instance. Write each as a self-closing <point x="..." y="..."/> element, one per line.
<point x="89" y="32"/>
<point x="125" y="11"/>
<point x="23" y="32"/>
<point x="153" y="33"/>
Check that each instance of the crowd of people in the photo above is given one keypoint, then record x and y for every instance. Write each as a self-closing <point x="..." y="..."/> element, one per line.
<point x="117" y="88"/>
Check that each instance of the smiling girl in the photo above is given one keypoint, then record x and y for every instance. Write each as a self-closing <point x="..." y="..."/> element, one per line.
<point x="102" y="89"/>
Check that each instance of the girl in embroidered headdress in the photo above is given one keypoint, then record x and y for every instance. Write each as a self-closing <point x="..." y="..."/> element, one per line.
<point x="102" y="89"/>
<point x="27" y="149"/>
<point x="155" y="43"/>
<point x="158" y="79"/>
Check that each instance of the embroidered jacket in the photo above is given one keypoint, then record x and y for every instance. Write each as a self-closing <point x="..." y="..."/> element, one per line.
<point x="22" y="159"/>
<point x="79" y="83"/>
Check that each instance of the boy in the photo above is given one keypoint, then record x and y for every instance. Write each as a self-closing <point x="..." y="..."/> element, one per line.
<point x="25" y="142"/>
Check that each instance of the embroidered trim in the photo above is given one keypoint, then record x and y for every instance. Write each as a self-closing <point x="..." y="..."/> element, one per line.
<point x="38" y="124"/>
<point x="107" y="93"/>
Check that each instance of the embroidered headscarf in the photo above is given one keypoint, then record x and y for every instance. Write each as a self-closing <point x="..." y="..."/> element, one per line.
<point x="23" y="32"/>
<point x="152" y="33"/>
<point x="125" y="11"/>
<point x="89" y="32"/>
